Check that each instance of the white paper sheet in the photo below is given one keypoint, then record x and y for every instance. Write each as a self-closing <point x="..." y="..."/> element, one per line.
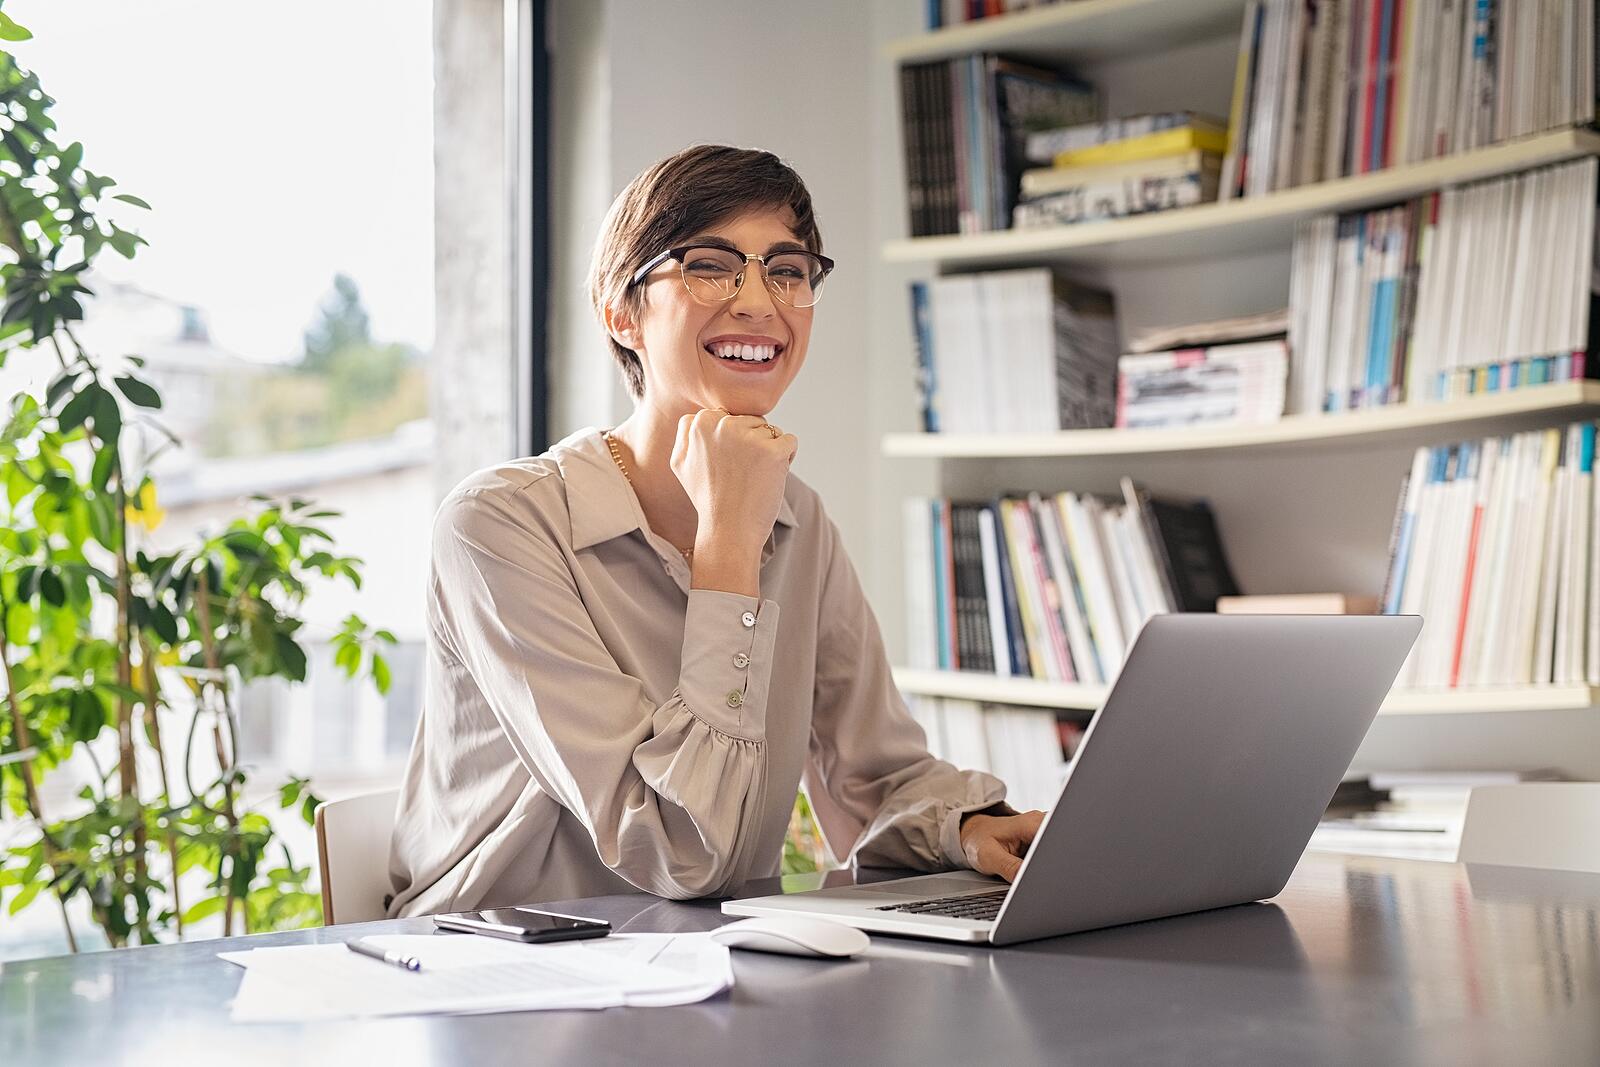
<point x="468" y="973"/>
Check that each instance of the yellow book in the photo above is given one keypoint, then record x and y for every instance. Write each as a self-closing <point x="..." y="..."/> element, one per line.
<point x="1206" y="138"/>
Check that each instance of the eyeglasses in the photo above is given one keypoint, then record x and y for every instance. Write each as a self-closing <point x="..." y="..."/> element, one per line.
<point x="713" y="274"/>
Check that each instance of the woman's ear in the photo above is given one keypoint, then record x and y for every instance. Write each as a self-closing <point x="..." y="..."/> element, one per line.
<point x="622" y="328"/>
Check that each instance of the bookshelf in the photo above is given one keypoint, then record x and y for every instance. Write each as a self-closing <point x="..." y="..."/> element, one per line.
<point x="1398" y="424"/>
<point x="1125" y="44"/>
<point x="971" y="685"/>
<point x="1252" y="224"/>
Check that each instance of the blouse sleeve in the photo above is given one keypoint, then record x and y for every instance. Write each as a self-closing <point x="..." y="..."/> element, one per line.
<point x="878" y="793"/>
<point x="667" y="792"/>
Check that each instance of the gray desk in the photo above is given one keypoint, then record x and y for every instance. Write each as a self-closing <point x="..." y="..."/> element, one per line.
<point x="1359" y="961"/>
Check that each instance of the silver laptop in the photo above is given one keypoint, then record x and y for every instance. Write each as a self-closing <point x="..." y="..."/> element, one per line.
<point x="1197" y="785"/>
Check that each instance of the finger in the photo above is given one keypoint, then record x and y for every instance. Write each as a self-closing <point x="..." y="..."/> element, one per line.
<point x="680" y="444"/>
<point x="995" y="858"/>
<point x="1022" y="829"/>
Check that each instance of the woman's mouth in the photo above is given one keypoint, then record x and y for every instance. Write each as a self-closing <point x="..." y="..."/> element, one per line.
<point x="743" y="357"/>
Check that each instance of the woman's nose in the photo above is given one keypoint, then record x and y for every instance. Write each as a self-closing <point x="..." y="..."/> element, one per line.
<point x="753" y="301"/>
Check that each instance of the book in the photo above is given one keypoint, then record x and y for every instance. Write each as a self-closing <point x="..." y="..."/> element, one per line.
<point x="1495" y="549"/>
<point x="1042" y="181"/>
<point x="922" y="334"/>
<point x="1265" y="326"/>
<point x="964" y="128"/>
<point x="1224" y="384"/>
<point x="1062" y="582"/>
<point x="1197" y="135"/>
<point x="1299" y="604"/>
<point x="1192" y="545"/>
<point x="1057" y="341"/>
<point x="1117" y="199"/>
<point x="1481" y="288"/>
<point x="1328" y="88"/>
<point x="1045" y="145"/>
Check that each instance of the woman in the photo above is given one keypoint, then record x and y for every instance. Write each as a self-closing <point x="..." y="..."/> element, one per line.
<point x="642" y="640"/>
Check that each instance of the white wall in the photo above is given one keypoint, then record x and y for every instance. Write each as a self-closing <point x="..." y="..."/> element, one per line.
<point x="631" y="84"/>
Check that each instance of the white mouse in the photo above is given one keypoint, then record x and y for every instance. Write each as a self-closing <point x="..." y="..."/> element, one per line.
<point x="793" y="935"/>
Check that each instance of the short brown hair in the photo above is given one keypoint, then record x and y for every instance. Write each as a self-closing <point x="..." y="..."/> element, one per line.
<point x="676" y="198"/>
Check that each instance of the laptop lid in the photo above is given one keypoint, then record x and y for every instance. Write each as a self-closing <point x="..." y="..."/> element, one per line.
<point x="1203" y="775"/>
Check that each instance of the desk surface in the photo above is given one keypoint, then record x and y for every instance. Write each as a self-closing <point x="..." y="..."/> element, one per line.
<point x="1359" y="960"/>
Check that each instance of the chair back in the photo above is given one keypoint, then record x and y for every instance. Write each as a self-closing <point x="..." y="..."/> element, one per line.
<point x="1534" y="824"/>
<point x="353" y="854"/>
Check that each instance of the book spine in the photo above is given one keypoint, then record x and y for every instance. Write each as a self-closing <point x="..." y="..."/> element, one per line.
<point x="978" y="652"/>
<point x="941" y="587"/>
<point x="927" y="381"/>
<point x="1017" y="642"/>
<point x="993" y="601"/>
<point x="911" y="140"/>
<point x="1116" y="199"/>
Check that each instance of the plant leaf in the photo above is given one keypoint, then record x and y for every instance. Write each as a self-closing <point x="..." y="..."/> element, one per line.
<point x="129" y="198"/>
<point x="138" y="392"/>
<point x="11" y="31"/>
<point x="78" y="409"/>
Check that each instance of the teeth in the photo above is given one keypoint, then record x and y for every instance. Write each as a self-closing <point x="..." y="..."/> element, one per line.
<point x="747" y="353"/>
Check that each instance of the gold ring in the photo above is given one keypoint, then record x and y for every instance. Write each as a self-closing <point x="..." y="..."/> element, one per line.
<point x="776" y="433"/>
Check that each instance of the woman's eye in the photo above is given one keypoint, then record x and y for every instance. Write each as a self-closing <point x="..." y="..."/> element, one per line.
<point x="706" y="266"/>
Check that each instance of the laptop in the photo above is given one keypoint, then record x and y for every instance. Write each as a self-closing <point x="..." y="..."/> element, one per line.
<point x="1197" y="785"/>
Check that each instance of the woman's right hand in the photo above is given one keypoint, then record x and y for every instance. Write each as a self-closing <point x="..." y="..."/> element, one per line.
<point x="734" y="472"/>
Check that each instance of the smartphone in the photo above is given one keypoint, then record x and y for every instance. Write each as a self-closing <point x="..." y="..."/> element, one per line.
<point x="523" y="924"/>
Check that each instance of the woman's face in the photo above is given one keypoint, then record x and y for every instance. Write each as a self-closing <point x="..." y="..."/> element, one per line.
<point x="678" y="336"/>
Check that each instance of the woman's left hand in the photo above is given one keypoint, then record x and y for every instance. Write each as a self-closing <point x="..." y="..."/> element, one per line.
<point x="995" y="844"/>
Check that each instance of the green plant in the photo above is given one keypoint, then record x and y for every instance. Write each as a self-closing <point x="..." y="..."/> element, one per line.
<point x="109" y="652"/>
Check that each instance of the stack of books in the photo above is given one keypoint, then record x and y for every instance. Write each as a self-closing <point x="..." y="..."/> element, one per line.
<point x="1239" y="384"/>
<point x="1107" y="170"/>
<point x="1029" y="749"/>
<point x="1495" y="546"/>
<point x="1014" y="351"/>
<point x="1416" y="814"/>
<point x="1299" y="604"/>
<point x="1328" y="88"/>
<point x="1053" y="587"/>
<point x="965" y="122"/>
<point x="1474" y="289"/>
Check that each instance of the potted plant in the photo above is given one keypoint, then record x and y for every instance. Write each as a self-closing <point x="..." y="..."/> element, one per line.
<point x="128" y="661"/>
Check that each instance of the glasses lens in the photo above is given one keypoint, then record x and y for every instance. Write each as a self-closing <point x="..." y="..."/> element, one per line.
<point x="712" y="273"/>
<point x="796" y="278"/>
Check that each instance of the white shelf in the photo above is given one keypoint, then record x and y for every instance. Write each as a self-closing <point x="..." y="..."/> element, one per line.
<point x="1077" y="31"/>
<point x="1393" y="425"/>
<point x="1028" y="691"/>
<point x="1248" y="225"/>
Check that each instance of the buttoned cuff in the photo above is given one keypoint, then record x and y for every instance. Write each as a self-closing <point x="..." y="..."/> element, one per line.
<point x="726" y="669"/>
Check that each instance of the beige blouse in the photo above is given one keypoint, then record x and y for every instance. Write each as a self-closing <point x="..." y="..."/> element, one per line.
<point x="591" y="725"/>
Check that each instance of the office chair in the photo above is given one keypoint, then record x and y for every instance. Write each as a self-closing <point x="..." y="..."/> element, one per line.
<point x="353" y="855"/>
<point x="1534" y="824"/>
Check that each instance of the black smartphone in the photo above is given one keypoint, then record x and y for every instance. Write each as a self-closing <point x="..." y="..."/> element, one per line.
<point x="523" y="924"/>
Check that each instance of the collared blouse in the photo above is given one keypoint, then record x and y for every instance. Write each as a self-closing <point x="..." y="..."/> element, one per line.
<point x="592" y="725"/>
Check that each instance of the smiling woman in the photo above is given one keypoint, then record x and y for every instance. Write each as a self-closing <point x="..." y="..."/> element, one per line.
<point x="612" y="700"/>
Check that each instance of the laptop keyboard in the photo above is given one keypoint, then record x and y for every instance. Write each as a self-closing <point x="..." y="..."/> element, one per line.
<point x="976" y="906"/>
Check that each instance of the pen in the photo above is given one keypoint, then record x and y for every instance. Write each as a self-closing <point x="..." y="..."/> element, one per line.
<point x="409" y="963"/>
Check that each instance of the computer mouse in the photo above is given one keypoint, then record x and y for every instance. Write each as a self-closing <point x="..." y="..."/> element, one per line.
<point x="793" y="935"/>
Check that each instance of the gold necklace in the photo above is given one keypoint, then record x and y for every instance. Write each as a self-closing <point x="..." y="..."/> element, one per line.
<point x="616" y="455"/>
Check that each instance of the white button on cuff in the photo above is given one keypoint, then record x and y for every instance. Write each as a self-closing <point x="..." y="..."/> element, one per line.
<point x="749" y="619"/>
<point x="735" y="698"/>
<point x="741" y="660"/>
